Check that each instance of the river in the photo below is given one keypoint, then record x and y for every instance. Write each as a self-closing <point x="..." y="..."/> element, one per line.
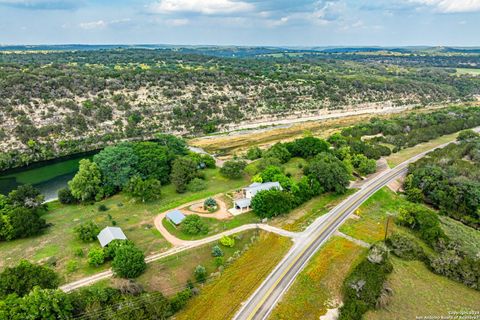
<point x="48" y="176"/>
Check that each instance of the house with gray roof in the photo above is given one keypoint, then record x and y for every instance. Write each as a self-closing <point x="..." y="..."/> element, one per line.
<point x="176" y="217"/>
<point x="108" y="234"/>
<point x="256" y="187"/>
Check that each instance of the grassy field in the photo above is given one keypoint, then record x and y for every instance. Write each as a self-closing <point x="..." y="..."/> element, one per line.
<point x="370" y="227"/>
<point x="136" y="219"/>
<point x="170" y="274"/>
<point x="304" y="215"/>
<point x="419" y="292"/>
<point x="318" y="286"/>
<point x="222" y="297"/>
<point x="215" y="226"/>
<point x="462" y="71"/>
<point x="396" y="158"/>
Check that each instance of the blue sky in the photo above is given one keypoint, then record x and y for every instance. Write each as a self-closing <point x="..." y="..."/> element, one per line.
<point x="242" y="22"/>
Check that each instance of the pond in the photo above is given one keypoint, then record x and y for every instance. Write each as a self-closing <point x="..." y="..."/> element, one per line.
<point x="48" y="176"/>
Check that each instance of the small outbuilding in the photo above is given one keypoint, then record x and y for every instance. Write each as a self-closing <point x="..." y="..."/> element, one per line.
<point x="176" y="217"/>
<point x="108" y="234"/>
<point x="243" y="204"/>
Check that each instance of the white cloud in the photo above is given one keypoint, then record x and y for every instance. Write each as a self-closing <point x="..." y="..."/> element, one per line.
<point x="100" y="24"/>
<point x="177" y="22"/>
<point x="209" y="7"/>
<point x="451" y="6"/>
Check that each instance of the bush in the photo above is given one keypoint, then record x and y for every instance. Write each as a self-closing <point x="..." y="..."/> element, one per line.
<point x="96" y="257"/>
<point x="197" y="185"/>
<point x="129" y="262"/>
<point x="405" y="247"/>
<point x="216" y="251"/>
<point x="87" y="231"/>
<point x="65" y="196"/>
<point x="180" y="299"/>
<point x="254" y="153"/>
<point x="22" y="278"/>
<point x="200" y="273"/>
<point x="210" y="204"/>
<point x="193" y="224"/>
<point x="219" y="261"/>
<point x="233" y="169"/>
<point x="227" y="241"/>
<point x="103" y="208"/>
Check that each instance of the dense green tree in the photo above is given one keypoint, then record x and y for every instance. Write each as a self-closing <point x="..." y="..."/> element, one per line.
<point x="270" y="172"/>
<point x="332" y="173"/>
<point x="307" y="147"/>
<point x="26" y="196"/>
<point x="117" y="165"/>
<point x="254" y="153"/>
<point x="86" y="185"/>
<point x="154" y="161"/>
<point x="143" y="190"/>
<point x="129" y="262"/>
<point x="176" y="145"/>
<point x="21" y="222"/>
<point x="278" y="151"/>
<point x="184" y="169"/>
<point x="87" y="231"/>
<point x="96" y="257"/>
<point x="65" y="196"/>
<point x="364" y="165"/>
<point x="271" y="203"/>
<point x="22" y="278"/>
<point x="233" y="169"/>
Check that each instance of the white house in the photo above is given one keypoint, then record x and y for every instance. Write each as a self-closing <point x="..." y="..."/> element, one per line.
<point x="250" y="192"/>
<point x="108" y="234"/>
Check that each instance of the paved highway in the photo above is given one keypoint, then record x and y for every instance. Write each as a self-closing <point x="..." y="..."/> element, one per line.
<point x="264" y="299"/>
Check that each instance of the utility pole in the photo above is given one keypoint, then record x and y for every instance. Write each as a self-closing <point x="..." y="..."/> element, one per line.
<point x="387" y="225"/>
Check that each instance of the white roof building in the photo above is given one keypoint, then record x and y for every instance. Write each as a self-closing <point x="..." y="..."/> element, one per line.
<point x="255" y="187"/>
<point x="108" y="234"/>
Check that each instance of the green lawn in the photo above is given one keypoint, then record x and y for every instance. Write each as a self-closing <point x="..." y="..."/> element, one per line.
<point x="295" y="168"/>
<point x="419" y="293"/>
<point x="469" y="71"/>
<point x="396" y="158"/>
<point x="304" y="215"/>
<point x="169" y="275"/>
<point x="214" y="226"/>
<point x="370" y="227"/>
<point x="136" y="219"/>
<point x="221" y="298"/>
<point x="318" y="287"/>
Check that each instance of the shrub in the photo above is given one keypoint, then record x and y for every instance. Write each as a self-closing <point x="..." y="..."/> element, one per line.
<point x="216" y="251"/>
<point x="233" y="169"/>
<point x="363" y="287"/>
<point x="72" y="266"/>
<point x="219" y="261"/>
<point x="102" y="208"/>
<point x="210" y="203"/>
<point x="192" y="224"/>
<point x="65" y="196"/>
<point x="405" y="247"/>
<point x="96" y="257"/>
<point x="22" y="278"/>
<point x="254" y="153"/>
<point x="180" y="299"/>
<point x="200" y="273"/>
<point x="129" y="262"/>
<point x="87" y="231"/>
<point x="227" y="241"/>
<point x="197" y="185"/>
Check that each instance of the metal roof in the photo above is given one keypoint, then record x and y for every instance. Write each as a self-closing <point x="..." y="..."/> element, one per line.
<point x="256" y="187"/>
<point x="243" y="203"/>
<point x="176" y="216"/>
<point x="108" y="234"/>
